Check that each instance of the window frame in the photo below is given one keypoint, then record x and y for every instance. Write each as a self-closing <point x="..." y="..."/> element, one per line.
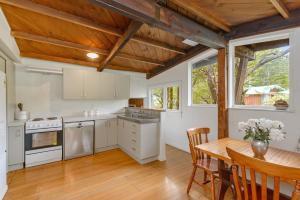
<point x="207" y="54"/>
<point x="165" y="98"/>
<point x="286" y="34"/>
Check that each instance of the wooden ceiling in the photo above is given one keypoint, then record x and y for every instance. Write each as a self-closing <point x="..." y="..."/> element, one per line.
<point x="64" y="31"/>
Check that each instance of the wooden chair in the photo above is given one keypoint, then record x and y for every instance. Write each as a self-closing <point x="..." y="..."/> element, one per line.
<point x="252" y="190"/>
<point x="200" y="160"/>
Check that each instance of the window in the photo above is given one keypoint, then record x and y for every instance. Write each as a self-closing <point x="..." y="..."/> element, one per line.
<point x="157" y="98"/>
<point x="165" y="97"/>
<point x="173" y="98"/>
<point x="261" y="73"/>
<point x="204" y="79"/>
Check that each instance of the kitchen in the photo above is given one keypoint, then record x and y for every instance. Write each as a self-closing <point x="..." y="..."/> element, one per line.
<point x="76" y="112"/>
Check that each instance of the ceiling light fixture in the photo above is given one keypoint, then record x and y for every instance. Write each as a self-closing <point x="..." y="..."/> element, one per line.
<point x="92" y="55"/>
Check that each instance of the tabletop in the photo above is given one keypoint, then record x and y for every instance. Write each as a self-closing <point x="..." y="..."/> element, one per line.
<point x="217" y="149"/>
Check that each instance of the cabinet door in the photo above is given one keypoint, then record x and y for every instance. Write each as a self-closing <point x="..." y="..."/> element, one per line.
<point x="112" y="138"/>
<point x="92" y="85"/>
<point x="15" y="145"/>
<point x="100" y="134"/>
<point x="120" y="131"/>
<point x="73" y="84"/>
<point x="107" y="86"/>
<point x="122" y="87"/>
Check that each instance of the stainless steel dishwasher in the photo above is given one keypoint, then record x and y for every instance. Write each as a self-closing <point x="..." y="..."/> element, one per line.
<point x="78" y="139"/>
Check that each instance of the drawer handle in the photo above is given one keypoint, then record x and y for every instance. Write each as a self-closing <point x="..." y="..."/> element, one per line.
<point x="133" y="148"/>
<point x="133" y="132"/>
<point x="133" y="140"/>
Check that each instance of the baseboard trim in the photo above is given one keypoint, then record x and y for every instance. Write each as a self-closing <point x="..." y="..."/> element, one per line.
<point x="3" y="192"/>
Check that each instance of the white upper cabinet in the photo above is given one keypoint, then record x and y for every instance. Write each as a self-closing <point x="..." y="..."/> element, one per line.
<point x="107" y="87"/>
<point x="73" y="83"/>
<point x="84" y="84"/>
<point x="122" y="86"/>
<point x="92" y="85"/>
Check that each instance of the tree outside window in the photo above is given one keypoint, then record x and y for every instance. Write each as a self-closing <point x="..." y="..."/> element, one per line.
<point x="204" y="81"/>
<point x="173" y="98"/>
<point x="157" y="98"/>
<point x="261" y="73"/>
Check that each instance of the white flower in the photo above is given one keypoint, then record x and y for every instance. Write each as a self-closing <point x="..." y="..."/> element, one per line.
<point x="277" y="125"/>
<point x="265" y="124"/>
<point x="243" y="127"/>
<point x="252" y="122"/>
<point x="276" y="135"/>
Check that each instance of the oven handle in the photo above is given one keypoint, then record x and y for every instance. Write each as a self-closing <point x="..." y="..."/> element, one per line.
<point x="28" y="131"/>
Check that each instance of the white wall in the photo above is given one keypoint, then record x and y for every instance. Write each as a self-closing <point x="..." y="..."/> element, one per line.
<point x="176" y="123"/>
<point x="291" y="118"/>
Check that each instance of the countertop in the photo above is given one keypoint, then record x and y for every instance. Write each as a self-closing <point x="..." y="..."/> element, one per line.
<point x="144" y="120"/>
<point x="82" y="118"/>
<point x="16" y="123"/>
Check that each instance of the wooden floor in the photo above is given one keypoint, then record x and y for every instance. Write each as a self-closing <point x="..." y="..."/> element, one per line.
<point x="109" y="175"/>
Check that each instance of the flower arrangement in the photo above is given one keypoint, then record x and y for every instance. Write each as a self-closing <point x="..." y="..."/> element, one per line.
<point x="263" y="130"/>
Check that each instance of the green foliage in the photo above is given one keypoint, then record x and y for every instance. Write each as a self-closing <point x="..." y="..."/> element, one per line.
<point x="157" y="95"/>
<point x="204" y="84"/>
<point x="173" y="98"/>
<point x="259" y="134"/>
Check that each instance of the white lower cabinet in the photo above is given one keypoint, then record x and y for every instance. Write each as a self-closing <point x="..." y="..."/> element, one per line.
<point x="140" y="141"/>
<point x="15" y="147"/>
<point x="105" y="134"/>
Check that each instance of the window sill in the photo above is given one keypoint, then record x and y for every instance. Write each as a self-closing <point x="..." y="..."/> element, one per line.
<point x="269" y="109"/>
<point x="204" y="105"/>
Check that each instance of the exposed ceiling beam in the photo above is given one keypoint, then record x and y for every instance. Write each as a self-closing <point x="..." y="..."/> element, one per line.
<point x="78" y="62"/>
<point x="67" y="44"/>
<point x="281" y="8"/>
<point x="265" y="25"/>
<point x="47" y="11"/>
<point x="151" y="13"/>
<point x="212" y="19"/>
<point x="133" y="27"/>
<point x="177" y="60"/>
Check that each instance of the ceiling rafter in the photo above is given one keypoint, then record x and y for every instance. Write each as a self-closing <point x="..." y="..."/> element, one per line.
<point x="265" y="25"/>
<point x="151" y="13"/>
<point x="63" y="43"/>
<point x="78" y="62"/>
<point x="51" y="12"/>
<point x="281" y="8"/>
<point x="177" y="60"/>
<point x="133" y="27"/>
<point x="202" y="13"/>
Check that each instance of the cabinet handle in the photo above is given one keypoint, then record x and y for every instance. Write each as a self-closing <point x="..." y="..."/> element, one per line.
<point x="134" y="133"/>
<point x="133" y="140"/>
<point x="134" y="149"/>
<point x="18" y="133"/>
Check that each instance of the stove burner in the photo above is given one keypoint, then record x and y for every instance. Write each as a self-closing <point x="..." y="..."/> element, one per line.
<point x="37" y="119"/>
<point x="52" y="118"/>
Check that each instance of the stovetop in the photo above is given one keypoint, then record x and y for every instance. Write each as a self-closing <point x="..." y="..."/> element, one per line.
<point x="42" y="123"/>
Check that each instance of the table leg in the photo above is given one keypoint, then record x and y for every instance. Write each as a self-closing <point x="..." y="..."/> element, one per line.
<point x="224" y="174"/>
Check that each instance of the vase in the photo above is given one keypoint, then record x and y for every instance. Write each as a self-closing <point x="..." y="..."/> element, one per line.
<point x="259" y="148"/>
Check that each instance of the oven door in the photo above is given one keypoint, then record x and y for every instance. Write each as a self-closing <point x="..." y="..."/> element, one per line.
<point x="45" y="139"/>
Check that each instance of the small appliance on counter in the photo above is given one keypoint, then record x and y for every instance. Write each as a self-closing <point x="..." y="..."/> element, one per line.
<point x="43" y="141"/>
<point x="21" y="114"/>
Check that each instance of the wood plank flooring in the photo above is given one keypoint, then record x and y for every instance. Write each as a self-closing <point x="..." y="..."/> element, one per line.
<point x="109" y="175"/>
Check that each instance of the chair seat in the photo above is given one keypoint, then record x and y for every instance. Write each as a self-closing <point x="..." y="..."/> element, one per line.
<point x="210" y="165"/>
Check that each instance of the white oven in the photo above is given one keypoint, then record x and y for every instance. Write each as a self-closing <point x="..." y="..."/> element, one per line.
<point x="43" y="141"/>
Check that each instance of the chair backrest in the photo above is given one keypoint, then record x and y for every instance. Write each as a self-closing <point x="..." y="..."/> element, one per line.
<point x="195" y="138"/>
<point x="242" y="162"/>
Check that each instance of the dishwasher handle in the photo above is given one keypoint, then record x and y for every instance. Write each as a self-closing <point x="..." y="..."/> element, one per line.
<point x="79" y="124"/>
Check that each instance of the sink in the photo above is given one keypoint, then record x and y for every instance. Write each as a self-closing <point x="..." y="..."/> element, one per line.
<point x="140" y="118"/>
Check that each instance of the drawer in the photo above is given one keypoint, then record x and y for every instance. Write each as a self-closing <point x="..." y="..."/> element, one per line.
<point x="133" y="134"/>
<point x="133" y="126"/>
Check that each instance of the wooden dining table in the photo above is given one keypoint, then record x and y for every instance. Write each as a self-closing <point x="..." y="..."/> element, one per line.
<point x="217" y="149"/>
